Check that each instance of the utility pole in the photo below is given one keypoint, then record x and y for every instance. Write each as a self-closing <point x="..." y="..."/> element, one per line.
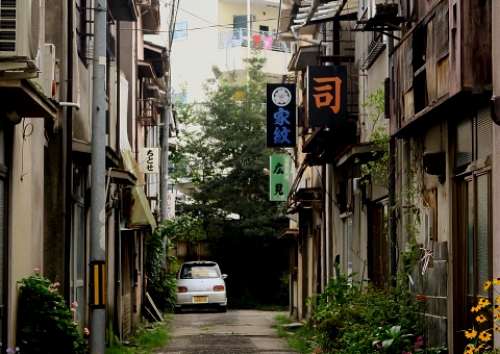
<point x="164" y="156"/>
<point x="97" y="196"/>
<point x="166" y="125"/>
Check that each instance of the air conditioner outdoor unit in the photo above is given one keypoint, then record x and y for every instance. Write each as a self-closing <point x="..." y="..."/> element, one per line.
<point x="20" y="32"/>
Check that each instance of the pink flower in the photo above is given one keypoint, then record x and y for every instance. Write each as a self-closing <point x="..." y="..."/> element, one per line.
<point x="75" y="304"/>
<point x="420" y="340"/>
<point x="86" y="331"/>
<point x="72" y="309"/>
<point x="379" y="345"/>
<point x="36" y="270"/>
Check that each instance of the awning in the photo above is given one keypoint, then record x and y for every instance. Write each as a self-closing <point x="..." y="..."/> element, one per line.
<point x="288" y="233"/>
<point x="325" y="145"/>
<point x="140" y="213"/>
<point x="359" y="153"/>
<point x="82" y="153"/>
<point x="122" y="177"/>
<point x="304" y="57"/>
<point x="123" y="10"/>
<point x="25" y="98"/>
<point x="145" y="69"/>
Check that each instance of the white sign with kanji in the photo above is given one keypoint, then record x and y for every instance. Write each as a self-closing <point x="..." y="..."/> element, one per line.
<point x="149" y="160"/>
<point x="170" y="206"/>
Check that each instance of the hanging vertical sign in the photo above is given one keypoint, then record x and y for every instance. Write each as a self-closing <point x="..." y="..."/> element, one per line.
<point x="279" y="173"/>
<point x="326" y="96"/>
<point x="170" y="206"/>
<point x="149" y="160"/>
<point x="281" y="116"/>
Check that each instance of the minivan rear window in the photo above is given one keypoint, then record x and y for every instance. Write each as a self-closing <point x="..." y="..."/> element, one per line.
<point x="199" y="271"/>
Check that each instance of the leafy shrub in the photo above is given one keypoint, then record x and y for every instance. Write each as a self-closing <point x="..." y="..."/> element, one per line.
<point x="162" y="284"/>
<point x="45" y="322"/>
<point x="350" y="320"/>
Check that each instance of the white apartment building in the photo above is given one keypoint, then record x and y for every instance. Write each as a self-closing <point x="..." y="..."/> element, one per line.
<point x="214" y="33"/>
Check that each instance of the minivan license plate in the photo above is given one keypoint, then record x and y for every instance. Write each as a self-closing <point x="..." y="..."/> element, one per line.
<point x="198" y="299"/>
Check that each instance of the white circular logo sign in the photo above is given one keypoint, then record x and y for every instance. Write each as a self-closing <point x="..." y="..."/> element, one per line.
<point x="281" y="96"/>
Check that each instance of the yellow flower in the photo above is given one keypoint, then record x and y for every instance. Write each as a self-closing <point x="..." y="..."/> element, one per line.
<point x="487" y="284"/>
<point x="496" y="308"/>
<point x="483" y="302"/>
<point x="475" y="308"/>
<point x="478" y="348"/>
<point x="498" y="300"/>
<point x="485" y="336"/>
<point x="470" y="349"/>
<point x="471" y="333"/>
<point x="496" y="281"/>
<point x="480" y="319"/>
<point x="496" y="328"/>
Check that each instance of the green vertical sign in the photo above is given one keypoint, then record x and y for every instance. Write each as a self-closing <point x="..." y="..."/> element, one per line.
<point x="279" y="181"/>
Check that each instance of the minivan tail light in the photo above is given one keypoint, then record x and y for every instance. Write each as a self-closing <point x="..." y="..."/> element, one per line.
<point x="182" y="289"/>
<point x="219" y="288"/>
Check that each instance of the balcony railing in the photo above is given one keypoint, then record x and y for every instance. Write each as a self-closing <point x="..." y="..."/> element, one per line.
<point x="148" y="113"/>
<point x="258" y="39"/>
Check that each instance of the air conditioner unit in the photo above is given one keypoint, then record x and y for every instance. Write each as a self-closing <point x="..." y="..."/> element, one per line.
<point x="20" y="34"/>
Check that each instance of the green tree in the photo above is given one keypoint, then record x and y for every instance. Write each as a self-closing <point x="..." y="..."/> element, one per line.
<point x="223" y="152"/>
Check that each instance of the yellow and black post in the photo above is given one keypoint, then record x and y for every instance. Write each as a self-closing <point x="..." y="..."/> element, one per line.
<point x="97" y="284"/>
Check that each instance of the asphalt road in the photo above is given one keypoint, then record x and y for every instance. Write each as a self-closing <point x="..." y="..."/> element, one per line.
<point x="236" y="331"/>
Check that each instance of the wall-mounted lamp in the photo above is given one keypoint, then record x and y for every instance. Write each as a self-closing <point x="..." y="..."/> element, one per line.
<point x="435" y="164"/>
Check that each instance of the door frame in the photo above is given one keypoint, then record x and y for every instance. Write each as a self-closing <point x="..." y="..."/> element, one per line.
<point x="460" y="305"/>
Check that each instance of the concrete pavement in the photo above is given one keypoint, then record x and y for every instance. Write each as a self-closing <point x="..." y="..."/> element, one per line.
<point x="236" y="331"/>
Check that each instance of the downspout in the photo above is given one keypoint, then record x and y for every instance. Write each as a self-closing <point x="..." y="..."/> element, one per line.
<point x="295" y="29"/>
<point x="67" y="95"/>
<point x="392" y="189"/>
<point x="118" y="289"/>
<point x="118" y="86"/>
<point x="324" y="253"/>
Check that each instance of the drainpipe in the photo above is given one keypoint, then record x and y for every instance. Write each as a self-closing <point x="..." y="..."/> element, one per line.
<point x="67" y="95"/>
<point x="98" y="180"/>
<point x="164" y="160"/>
<point x="296" y="29"/>
<point x="392" y="189"/>
<point x="392" y="204"/>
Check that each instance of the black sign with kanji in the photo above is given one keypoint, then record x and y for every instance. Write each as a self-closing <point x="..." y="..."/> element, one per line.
<point x="326" y="96"/>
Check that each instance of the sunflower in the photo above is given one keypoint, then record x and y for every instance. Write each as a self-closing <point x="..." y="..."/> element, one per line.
<point x="470" y="349"/>
<point x="485" y="336"/>
<point x="476" y="350"/>
<point x="481" y="319"/>
<point x="496" y="281"/>
<point x="498" y="300"/>
<point x="483" y="302"/>
<point x="471" y="333"/>
<point x="496" y="308"/>
<point x="475" y="308"/>
<point x="496" y="328"/>
<point x="487" y="284"/>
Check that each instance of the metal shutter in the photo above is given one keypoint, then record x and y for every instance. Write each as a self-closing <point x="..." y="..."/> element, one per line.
<point x="484" y="133"/>
<point x="463" y="143"/>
